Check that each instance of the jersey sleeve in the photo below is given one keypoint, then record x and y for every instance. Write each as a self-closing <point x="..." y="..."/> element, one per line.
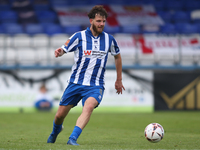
<point x="72" y="43"/>
<point x="114" y="49"/>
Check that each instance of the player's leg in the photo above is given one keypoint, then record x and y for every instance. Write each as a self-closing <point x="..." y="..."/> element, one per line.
<point x="83" y="119"/>
<point x="58" y="121"/>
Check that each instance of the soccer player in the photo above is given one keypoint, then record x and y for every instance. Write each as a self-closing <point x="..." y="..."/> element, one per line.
<point x="91" y="48"/>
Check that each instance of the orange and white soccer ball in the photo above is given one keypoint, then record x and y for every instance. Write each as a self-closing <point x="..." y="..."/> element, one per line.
<point x="154" y="132"/>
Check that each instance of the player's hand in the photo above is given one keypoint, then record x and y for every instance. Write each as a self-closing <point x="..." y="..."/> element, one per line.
<point x="119" y="86"/>
<point x="59" y="52"/>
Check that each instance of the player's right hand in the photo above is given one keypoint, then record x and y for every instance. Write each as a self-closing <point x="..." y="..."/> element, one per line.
<point x="59" y="52"/>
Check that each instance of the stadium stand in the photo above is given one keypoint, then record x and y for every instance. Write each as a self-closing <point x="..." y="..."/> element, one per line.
<point x="32" y="29"/>
<point x="70" y="29"/>
<point x="168" y="28"/>
<point x="38" y="22"/>
<point x="8" y="16"/>
<point x="13" y="28"/>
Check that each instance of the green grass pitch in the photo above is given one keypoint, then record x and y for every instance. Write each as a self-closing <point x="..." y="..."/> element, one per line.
<point x="105" y="131"/>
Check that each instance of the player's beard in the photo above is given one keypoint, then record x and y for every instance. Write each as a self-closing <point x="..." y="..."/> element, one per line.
<point x="96" y="30"/>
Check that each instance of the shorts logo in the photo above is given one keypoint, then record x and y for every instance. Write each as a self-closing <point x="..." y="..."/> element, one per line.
<point x="100" y="91"/>
<point x="87" y="52"/>
<point x="99" y="97"/>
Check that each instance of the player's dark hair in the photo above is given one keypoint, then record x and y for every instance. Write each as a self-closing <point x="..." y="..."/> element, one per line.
<point x="98" y="9"/>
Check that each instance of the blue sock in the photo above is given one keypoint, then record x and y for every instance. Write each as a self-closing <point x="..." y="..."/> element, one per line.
<point x="76" y="132"/>
<point x="56" y="128"/>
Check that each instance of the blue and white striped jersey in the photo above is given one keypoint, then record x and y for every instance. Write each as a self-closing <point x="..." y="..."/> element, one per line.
<point x="90" y="56"/>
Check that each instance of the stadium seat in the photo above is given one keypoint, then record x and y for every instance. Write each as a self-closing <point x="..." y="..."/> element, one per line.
<point x="41" y="6"/>
<point x="21" y="41"/>
<point x="8" y="16"/>
<point x="133" y="29"/>
<point x="159" y="5"/>
<point x="191" y="5"/>
<point x="59" y="3"/>
<point x="40" y="44"/>
<point x="34" y="29"/>
<point x="186" y="28"/>
<point x="181" y="16"/>
<point x="168" y="28"/>
<point x="2" y="41"/>
<point x="1" y="29"/>
<point x="165" y="15"/>
<point x="174" y="5"/>
<point x="40" y="41"/>
<point x="53" y="29"/>
<point x="5" y="6"/>
<point x="57" y="40"/>
<point x="25" y="53"/>
<point x="112" y="29"/>
<point x="26" y="56"/>
<point x="72" y="29"/>
<point x="98" y="2"/>
<point x="11" y="56"/>
<point x="195" y="16"/>
<point x="197" y="24"/>
<point x="13" y="28"/>
<point x="46" y="16"/>
<point x="79" y="2"/>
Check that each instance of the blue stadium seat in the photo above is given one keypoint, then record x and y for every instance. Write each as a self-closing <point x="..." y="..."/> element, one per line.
<point x="12" y="28"/>
<point x="98" y="2"/>
<point x="181" y="16"/>
<point x="8" y="16"/>
<point x="174" y="5"/>
<point x="46" y="16"/>
<point x="166" y="16"/>
<point x="197" y="24"/>
<point x="168" y="28"/>
<point x="79" y="2"/>
<point x="112" y="29"/>
<point x="186" y="28"/>
<point x="2" y="29"/>
<point x="133" y="29"/>
<point x="39" y="7"/>
<point x="5" y="6"/>
<point x="52" y="29"/>
<point x="34" y="29"/>
<point x="159" y="5"/>
<point x="72" y="29"/>
<point x="60" y="3"/>
<point x="191" y="5"/>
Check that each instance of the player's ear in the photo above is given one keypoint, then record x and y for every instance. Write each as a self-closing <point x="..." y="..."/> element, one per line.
<point x="91" y="20"/>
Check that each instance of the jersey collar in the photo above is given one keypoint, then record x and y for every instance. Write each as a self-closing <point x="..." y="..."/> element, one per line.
<point x="90" y="32"/>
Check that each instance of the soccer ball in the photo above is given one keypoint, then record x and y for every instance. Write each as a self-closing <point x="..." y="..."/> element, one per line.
<point x="154" y="132"/>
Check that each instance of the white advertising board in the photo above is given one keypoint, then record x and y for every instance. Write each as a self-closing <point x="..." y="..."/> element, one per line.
<point x="20" y="88"/>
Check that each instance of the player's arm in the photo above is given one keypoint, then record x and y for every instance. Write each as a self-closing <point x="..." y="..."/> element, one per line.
<point x="118" y="83"/>
<point x="59" y="52"/>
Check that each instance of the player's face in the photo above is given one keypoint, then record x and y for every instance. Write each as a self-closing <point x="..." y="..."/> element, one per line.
<point x="98" y="23"/>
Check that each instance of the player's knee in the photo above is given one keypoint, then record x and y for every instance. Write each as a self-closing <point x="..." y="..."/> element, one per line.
<point x="90" y="108"/>
<point x="59" y="117"/>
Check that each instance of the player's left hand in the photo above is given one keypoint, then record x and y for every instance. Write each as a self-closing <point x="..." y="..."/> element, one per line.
<point x="119" y="87"/>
